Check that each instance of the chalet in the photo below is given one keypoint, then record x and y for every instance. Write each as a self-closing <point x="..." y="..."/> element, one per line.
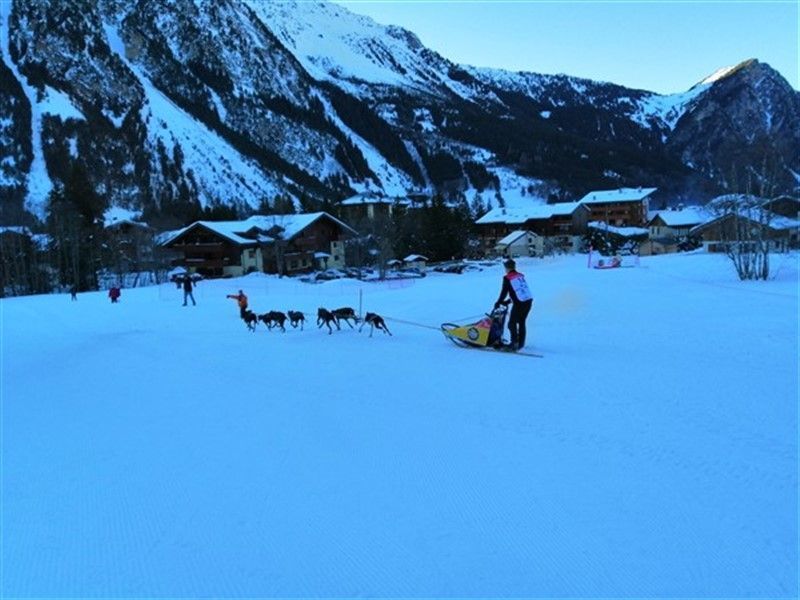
<point x="782" y="232"/>
<point x="131" y="244"/>
<point x="562" y="224"/>
<point x="677" y="222"/>
<point x="369" y="206"/>
<point x="669" y="228"/>
<point x="415" y="261"/>
<point x="784" y="206"/>
<point x="623" y="207"/>
<point x="667" y="244"/>
<point x="272" y="244"/>
<point x="775" y="220"/>
<point x="520" y="243"/>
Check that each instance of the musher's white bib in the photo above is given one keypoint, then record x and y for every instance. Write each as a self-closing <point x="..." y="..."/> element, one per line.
<point x="520" y="286"/>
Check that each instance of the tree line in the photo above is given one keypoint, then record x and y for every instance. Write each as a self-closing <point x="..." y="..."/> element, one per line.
<point x="74" y="247"/>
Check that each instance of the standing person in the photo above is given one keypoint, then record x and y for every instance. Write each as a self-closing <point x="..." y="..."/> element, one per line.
<point x="73" y="291"/>
<point x="515" y="286"/>
<point x="241" y="299"/>
<point x="188" y="285"/>
<point x="114" y="293"/>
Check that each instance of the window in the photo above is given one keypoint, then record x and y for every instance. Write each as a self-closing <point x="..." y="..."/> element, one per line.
<point x="335" y="257"/>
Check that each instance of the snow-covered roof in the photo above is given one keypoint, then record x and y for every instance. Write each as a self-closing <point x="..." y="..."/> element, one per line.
<point x="564" y="208"/>
<point x="684" y="218"/>
<point x="165" y="236"/>
<point x="415" y="258"/>
<point x="781" y="223"/>
<point x="622" y="231"/>
<point x="321" y="255"/>
<point x="230" y="230"/>
<point x="513" y="237"/>
<point x="367" y="198"/>
<point x="618" y="195"/>
<point x="521" y="215"/>
<point x="257" y="226"/>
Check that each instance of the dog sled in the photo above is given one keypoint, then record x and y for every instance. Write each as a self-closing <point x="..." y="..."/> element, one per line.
<point x="486" y="334"/>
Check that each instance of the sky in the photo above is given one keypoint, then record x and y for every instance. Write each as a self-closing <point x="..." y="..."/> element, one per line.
<point x="662" y="46"/>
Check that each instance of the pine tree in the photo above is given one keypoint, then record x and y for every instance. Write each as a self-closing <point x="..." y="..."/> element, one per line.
<point x="478" y="208"/>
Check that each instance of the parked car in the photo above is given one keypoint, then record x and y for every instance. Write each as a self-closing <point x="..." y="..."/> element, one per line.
<point x="451" y="268"/>
<point x="178" y="274"/>
<point x="329" y="274"/>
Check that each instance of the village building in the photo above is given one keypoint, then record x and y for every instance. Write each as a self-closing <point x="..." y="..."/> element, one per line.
<point x="415" y="261"/>
<point x="282" y="244"/>
<point x="753" y="217"/>
<point x="131" y="244"/>
<point x="560" y="225"/>
<point x="623" y="207"/>
<point x="368" y="206"/>
<point x="677" y="222"/>
<point x="670" y="228"/>
<point x="520" y="243"/>
<point x="784" y="206"/>
<point x="718" y="233"/>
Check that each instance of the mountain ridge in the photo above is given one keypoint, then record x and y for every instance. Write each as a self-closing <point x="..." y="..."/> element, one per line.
<point x="237" y="102"/>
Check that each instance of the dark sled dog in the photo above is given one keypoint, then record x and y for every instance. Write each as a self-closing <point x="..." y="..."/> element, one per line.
<point x="326" y="317"/>
<point x="250" y="319"/>
<point x="345" y="314"/>
<point x="273" y="318"/>
<point x="296" y="318"/>
<point x="375" y="322"/>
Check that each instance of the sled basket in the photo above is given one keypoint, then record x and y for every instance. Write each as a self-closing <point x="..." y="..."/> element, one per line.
<point x="488" y="332"/>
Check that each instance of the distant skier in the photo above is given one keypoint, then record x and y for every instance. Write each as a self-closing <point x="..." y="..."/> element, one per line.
<point x="241" y="300"/>
<point x="188" y="286"/>
<point x="515" y="286"/>
<point x="114" y="293"/>
<point x="73" y="291"/>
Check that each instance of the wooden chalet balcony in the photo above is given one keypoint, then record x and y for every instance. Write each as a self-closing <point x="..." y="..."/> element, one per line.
<point x="199" y="245"/>
<point x="209" y="263"/>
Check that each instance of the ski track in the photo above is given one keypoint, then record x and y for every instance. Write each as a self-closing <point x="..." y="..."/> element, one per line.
<point x="156" y="450"/>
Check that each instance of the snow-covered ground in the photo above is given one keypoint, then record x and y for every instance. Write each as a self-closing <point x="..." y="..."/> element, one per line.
<point x="154" y="450"/>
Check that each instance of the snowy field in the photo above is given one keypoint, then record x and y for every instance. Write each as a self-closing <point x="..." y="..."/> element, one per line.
<point x="154" y="450"/>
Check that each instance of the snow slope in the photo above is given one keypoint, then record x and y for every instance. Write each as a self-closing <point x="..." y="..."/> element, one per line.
<point x="335" y="44"/>
<point x="220" y="170"/>
<point x="39" y="184"/>
<point x="155" y="450"/>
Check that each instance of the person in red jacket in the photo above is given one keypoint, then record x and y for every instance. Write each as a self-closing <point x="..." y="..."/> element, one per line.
<point x="515" y="287"/>
<point x="241" y="300"/>
<point x="114" y="293"/>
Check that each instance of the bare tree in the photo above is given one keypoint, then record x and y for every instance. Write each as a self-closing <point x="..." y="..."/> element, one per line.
<point x="744" y="224"/>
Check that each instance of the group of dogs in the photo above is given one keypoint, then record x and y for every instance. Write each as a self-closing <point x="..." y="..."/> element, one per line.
<point x="276" y="318"/>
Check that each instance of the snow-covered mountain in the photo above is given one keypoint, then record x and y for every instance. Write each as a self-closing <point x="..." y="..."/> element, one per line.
<point x="171" y="104"/>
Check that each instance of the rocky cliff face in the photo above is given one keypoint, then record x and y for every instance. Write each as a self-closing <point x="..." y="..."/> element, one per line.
<point x="745" y="127"/>
<point x="171" y="104"/>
